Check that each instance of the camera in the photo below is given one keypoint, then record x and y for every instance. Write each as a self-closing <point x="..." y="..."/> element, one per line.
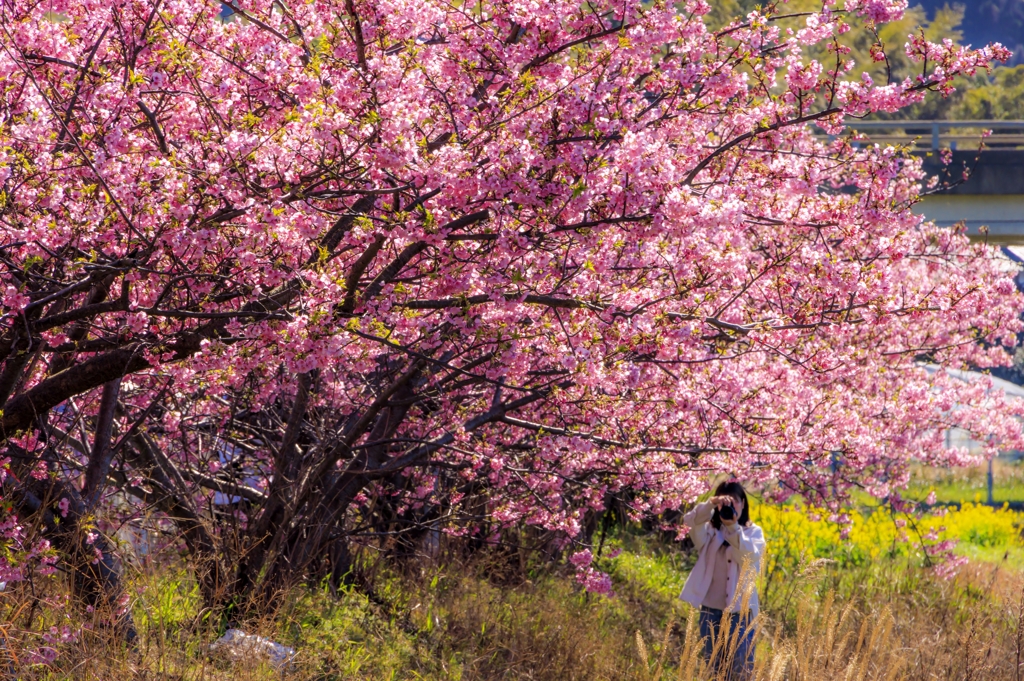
<point x="727" y="513"/>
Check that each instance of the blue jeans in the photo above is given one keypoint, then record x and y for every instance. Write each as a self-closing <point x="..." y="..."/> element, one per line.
<point x="735" y="656"/>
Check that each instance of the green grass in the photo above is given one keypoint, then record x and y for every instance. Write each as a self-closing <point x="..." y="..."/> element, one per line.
<point x="1010" y="557"/>
<point x="646" y="569"/>
<point x="492" y="616"/>
<point x="489" y="619"/>
<point x="969" y="484"/>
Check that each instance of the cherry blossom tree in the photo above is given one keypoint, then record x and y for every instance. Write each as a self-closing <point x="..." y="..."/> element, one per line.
<point x="330" y="269"/>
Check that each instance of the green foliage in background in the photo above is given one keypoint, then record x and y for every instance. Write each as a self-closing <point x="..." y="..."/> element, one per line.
<point x="998" y="95"/>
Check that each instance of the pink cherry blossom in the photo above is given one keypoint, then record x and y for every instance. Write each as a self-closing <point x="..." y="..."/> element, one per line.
<point x="361" y="269"/>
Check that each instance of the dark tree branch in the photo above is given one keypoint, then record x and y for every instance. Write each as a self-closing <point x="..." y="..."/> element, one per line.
<point x="83" y="72"/>
<point x="357" y="271"/>
<point x="543" y="58"/>
<point x="287" y="453"/>
<point x="155" y="124"/>
<point x="392" y="270"/>
<point x="494" y="414"/>
<point x="22" y="410"/>
<point x="341" y="227"/>
<point x="529" y="299"/>
<point x="357" y="33"/>
<point x="760" y="130"/>
<point x="102" y="453"/>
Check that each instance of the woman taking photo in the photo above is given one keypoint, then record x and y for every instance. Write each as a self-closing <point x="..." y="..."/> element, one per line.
<point x="723" y="582"/>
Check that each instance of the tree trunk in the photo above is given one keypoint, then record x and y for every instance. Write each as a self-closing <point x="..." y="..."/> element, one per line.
<point x="90" y="557"/>
<point x="171" y="496"/>
<point x="102" y="452"/>
<point x="287" y="539"/>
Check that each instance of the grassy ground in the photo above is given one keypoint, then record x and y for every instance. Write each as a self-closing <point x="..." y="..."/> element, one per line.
<point x="864" y="609"/>
<point x="485" y="618"/>
<point x="969" y="484"/>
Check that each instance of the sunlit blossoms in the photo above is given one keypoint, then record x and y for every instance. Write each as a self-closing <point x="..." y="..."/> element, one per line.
<point x="354" y="270"/>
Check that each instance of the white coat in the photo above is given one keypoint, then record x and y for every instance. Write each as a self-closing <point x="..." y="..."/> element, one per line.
<point x="746" y="547"/>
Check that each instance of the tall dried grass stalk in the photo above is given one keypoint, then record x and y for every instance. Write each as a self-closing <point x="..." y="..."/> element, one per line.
<point x="642" y="650"/>
<point x="1018" y="638"/>
<point x="690" y="659"/>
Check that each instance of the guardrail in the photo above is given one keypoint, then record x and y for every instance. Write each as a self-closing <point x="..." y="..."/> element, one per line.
<point x="943" y="134"/>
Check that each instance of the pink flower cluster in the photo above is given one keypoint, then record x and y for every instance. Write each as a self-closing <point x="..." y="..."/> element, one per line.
<point x="878" y="11"/>
<point x="52" y="639"/>
<point x="594" y="581"/>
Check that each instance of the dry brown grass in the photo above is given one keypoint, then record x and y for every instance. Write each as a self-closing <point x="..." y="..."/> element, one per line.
<point x="877" y="640"/>
<point x="460" y="621"/>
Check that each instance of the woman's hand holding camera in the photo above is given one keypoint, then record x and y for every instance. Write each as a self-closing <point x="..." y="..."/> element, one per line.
<point x="731" y="506"/>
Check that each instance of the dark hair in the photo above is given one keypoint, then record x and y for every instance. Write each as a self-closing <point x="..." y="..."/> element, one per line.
<point x="733" y="489"/>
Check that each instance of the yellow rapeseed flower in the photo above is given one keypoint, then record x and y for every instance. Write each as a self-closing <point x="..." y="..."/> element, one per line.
<point x="800" y="534"/>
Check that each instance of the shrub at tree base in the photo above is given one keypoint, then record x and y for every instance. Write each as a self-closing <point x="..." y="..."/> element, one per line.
<point x="345" y="272"/>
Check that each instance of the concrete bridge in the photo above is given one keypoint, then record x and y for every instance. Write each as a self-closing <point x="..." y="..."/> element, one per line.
<point x="991" y="201"/>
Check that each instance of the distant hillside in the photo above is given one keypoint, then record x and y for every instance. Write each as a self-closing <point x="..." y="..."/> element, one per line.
<point x="988" y="21"/>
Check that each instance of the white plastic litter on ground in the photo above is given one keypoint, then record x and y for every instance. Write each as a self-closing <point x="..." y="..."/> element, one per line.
<point x="237" y="645"/>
